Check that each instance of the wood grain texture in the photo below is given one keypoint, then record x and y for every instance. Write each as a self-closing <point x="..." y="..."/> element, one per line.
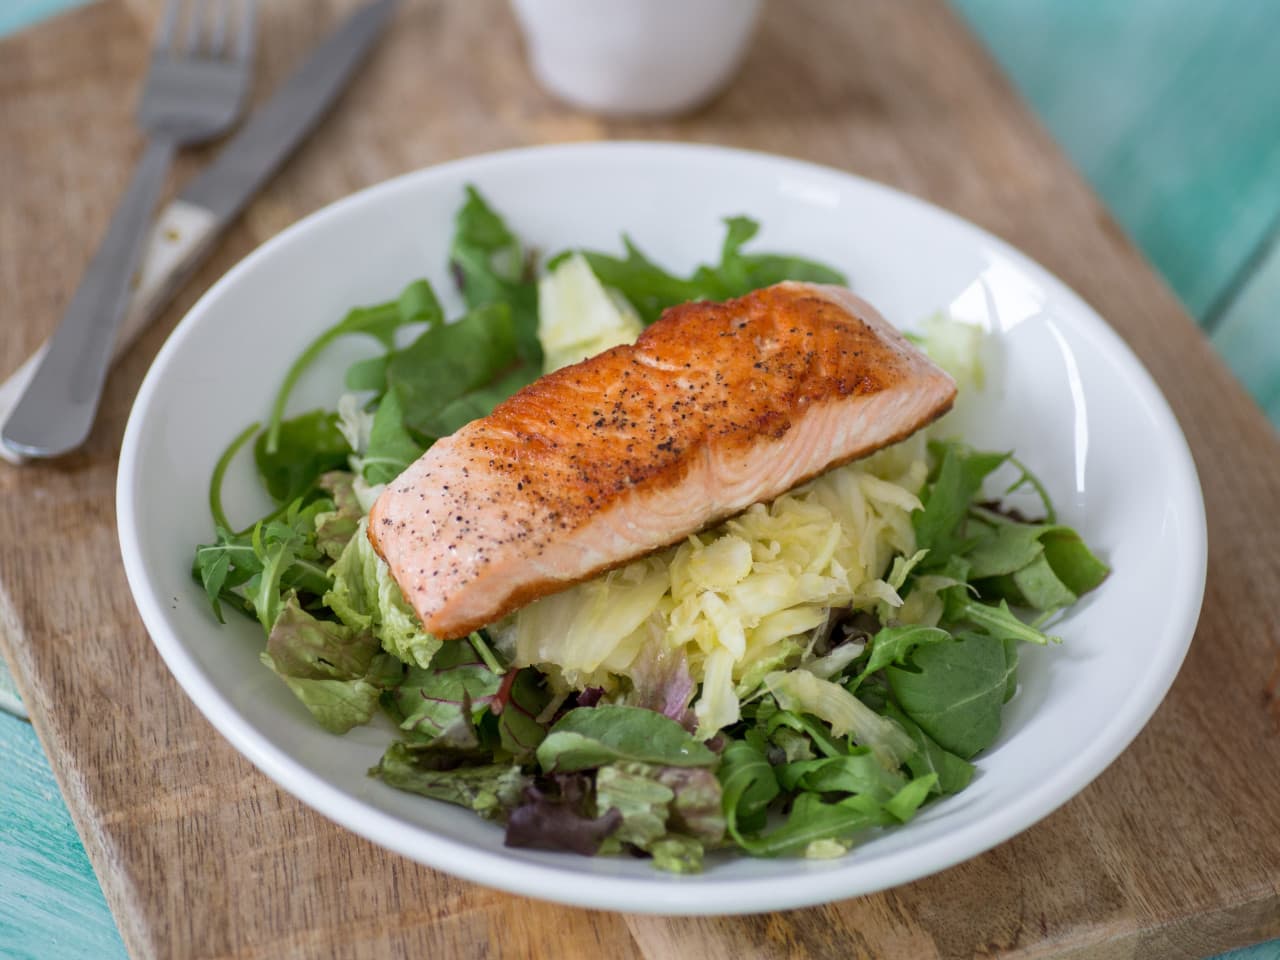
<point x="1248" y="332"/>
<point x="1173" y="852"/>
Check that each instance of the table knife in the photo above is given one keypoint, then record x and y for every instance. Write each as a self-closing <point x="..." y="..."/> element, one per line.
<point x="184" y="231"/>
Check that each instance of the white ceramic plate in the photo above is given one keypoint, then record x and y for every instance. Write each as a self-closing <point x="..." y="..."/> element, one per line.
<point x="1066" y="394"/>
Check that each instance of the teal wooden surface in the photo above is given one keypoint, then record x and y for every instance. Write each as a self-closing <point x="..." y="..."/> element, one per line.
<point x="16" y="14"/>
<point x="1171" y="108"/>
<point x="51" y="907"/>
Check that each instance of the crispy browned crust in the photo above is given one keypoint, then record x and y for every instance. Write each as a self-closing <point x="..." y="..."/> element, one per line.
<point x="533" y="590"/>
<point x="630" y="422"/>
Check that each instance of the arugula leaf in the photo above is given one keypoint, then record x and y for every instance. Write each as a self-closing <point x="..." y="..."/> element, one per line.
<point x="998" y="621"/>
<point x="492" y="268"/>
<point x="1004" y="547"/>
<point x="306" y="447"/>
<point x="449" y="361"/>
<point x="958" y="479"/>
<point x="234" y="564"/>
<point x="391" y="447"/>
<point x="1041" y="565"/>
<point x="956" y="690"/>
<point x="368" y="375"/>
<point x="894" y="645"/>
<point x="953" y="773"/>
<point x="651" y="289"/>
<point x="588" y="737"/>
<point x="812" y="820"/>
<point x="416" y="304"/>
<point x="1072" y="560"/>
<point x="477" y="403"/>
<point x="489" y="790"/>
<point x="817" y="732"/>
<point x="859" y="771"/>
<point x="748" y="785"/>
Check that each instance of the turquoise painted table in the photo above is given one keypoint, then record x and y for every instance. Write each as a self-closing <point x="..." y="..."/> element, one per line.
<point x="1173" y="112"/>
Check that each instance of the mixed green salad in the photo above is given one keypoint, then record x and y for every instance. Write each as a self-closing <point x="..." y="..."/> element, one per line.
<point x="782" y="684"/>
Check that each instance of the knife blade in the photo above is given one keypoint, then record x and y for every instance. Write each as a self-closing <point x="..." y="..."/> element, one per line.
<point x="185" y="229"/>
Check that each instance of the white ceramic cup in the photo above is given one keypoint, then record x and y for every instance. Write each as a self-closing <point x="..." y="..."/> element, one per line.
<point x="636" y="56"/>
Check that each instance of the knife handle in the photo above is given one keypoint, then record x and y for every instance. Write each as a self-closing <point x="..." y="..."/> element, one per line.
<point x="181" y="235"/>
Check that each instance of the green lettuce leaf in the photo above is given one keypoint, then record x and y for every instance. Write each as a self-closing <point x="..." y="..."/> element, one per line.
<point x="364" y="596"/>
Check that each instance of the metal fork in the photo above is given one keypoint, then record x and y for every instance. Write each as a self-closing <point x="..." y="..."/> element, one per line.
<point x="195" y="89"/>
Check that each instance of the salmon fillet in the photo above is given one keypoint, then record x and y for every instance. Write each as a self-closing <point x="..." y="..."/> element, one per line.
<point x="717" y="406"/>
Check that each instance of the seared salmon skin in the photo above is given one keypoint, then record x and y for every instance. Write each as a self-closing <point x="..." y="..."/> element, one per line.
<point x="715" y="407"/>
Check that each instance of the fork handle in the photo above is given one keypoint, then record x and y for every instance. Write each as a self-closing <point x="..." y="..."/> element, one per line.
<point x="56" y="412"/>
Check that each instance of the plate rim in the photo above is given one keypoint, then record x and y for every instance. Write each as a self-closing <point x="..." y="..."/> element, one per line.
<point x="664" y="894"/>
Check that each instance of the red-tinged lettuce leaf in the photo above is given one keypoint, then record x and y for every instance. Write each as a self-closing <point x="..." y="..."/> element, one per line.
<point x="671" y="813"/>
<point x="338" y="673"/>
<point x="302" y="646"/>
<point x="698" y="808"/>
<point x="490" y="790"/>
<point x="457" y="683"/>
<point x="518" y="728"/>
<point x="661" y="681"/>
<point x="557" y="813"/>
<point x="335" y="528"/>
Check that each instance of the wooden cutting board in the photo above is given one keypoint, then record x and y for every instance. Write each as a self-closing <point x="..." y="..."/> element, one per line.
<point x="1173" y="852"/>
